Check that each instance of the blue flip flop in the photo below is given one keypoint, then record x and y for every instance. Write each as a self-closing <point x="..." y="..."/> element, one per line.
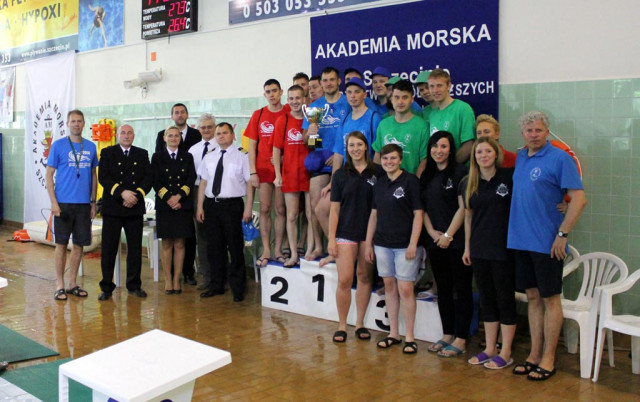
<point x="456" y="352"/>
<point x="434" y="347"/>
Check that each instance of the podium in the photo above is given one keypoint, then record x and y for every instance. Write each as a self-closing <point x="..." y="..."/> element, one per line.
<point x="310" y="290"/>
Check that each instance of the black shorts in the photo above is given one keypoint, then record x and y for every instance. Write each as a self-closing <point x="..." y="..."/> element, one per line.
<point x="74" y="219"/>
<point x="537" y="270"/>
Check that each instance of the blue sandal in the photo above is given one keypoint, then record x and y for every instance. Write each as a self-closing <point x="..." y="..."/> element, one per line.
<point x="454" y="352"/>
<point x="438" y="346"/>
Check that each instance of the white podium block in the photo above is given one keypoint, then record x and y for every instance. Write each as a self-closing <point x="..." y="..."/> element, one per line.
<point x="3" y="282"/>
<point x="154" y="366"/>
<point x="311" y="290"/>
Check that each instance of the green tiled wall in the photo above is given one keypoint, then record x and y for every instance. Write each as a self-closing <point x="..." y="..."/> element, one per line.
<point x="599" y="119"/>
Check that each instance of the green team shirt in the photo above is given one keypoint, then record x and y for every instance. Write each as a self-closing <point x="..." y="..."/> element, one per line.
<point x="426" y="113"/>
<point x="458" y="119"/>
<point x="412" y="136"/>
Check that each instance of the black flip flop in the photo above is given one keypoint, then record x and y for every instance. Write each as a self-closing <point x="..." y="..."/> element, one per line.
<point x="387" y="342"/>
<point x="363" y="334"/>
<point x="527" y="366"/>
<point x="410" y="348"/>
<point x="340" y="334"/>
<point x="544" y="374"/>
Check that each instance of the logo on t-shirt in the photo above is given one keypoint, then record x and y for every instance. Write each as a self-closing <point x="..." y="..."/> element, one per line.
<point x="266" y="127"/>
<point x="502" y="190"/>
<point x="85" y="159"/>
<point x="407" y="138"/>
<point x="372" y="180"/>
<point x="399" y="193"/>
<point x="446" y="125"/>
<point x="535" y="173"/>
<point x="390" y="139"/>
<point x="295" y="136"/>
<point x="448" y="185"/>
<point x="330" y="120"/>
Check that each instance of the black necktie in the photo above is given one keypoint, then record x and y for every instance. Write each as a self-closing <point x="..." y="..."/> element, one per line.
<point x="205" y="150"/>
<point x="173" y="156"/>
<point x="126" y="153"/>
<point x="217" y="179"/>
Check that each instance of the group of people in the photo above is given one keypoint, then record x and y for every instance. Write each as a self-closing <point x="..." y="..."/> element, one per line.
<point x="387" y="170"/>
<point x="199" y="177"/>
<point x="391" y="183"/>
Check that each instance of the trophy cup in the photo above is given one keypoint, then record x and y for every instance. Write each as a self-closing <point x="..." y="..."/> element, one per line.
<point x="315" y="115"/>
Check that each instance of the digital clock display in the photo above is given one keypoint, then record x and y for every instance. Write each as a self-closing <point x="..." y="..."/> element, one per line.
<point x="168" y="17"/>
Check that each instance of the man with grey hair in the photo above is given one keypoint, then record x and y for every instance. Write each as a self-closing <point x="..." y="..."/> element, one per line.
<point x="538" y="233"/>
<point x="125" y="174"/>
<point x="207" y="127"/>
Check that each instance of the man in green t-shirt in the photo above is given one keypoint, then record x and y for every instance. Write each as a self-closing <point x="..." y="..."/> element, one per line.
<point x="405" y="129"/>
<point x="422" y="85"/>
<point x="452" y="115"/>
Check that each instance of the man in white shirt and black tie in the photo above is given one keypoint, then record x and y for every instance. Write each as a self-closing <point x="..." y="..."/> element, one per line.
<point x="207" y="127"/>
<point x="224" y="180"/>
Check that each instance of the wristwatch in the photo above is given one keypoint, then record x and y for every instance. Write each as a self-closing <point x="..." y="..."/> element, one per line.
<point x="563" y="234"/>
<point x="446" y="236"/>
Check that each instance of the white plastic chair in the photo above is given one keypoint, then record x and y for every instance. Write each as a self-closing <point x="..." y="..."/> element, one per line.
<point x="626" y="324"/>
<point x="598" y="269"/>
<point x="572" y="255"/>
<point x="147" y="233"/>
<point x="255" y="218"/>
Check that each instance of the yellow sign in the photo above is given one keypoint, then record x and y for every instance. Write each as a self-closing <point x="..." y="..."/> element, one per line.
<point x="24" y="23"/>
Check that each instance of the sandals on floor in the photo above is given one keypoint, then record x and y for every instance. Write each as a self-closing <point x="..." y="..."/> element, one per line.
<point x="543" y="373"/>
<point x="499" y="362"/>
<point x="481" y="358"/>
<point x="438" y="346"/>
<point x="286" y="252"/>
<point x="58" y="295"/>
<point x="527" y="366"/>
<point x="340" y="336"/>
<point x="78" y="292"/>
<point x="387" y="342"/>
<point x="453" y="352"/>
<point x="363" y="334"/>
<point x="410" y="348"/>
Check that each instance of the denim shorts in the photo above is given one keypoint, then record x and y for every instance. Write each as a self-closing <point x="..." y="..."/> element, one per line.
<point x="393" y="262"/>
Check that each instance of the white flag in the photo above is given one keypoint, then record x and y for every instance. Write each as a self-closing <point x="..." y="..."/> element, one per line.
<point x="50" y="95"/>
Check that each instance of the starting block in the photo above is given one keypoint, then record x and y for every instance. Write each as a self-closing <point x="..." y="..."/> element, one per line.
<point x="310" y="290"/>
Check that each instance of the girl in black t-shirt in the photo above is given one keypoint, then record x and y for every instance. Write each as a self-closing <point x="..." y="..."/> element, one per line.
<point x="488" y="202"/>
<point x="351" y="192"/>
<point x="443" y="219"/>
<point x="394" y="229"/>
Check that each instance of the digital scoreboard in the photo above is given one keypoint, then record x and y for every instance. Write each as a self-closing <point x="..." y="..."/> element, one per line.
<point x="168" y="17"/>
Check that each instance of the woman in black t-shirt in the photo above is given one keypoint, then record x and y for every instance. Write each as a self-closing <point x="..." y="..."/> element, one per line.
<point x="394" y="228"/>
<point x="351" y="192"/>
<point x="443" y="219"/>
<point x="488" y="202"/>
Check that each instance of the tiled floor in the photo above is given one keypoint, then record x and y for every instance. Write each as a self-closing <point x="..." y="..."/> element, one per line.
<point x="276" y="355"/>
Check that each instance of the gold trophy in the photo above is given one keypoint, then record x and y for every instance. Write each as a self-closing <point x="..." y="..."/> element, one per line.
<point x="315" y="115"/>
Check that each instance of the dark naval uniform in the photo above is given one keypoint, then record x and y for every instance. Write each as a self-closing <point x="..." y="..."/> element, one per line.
<point x="174" y="175"/>
<point x="119" y="172"/>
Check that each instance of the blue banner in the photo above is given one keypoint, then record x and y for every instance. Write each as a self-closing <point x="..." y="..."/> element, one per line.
<point x="457" y="35"/>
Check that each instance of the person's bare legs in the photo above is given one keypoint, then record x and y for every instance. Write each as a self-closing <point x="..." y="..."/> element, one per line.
<point x="552" y="325"/>
<point x="167" y="250"/>
<point x="74" y="265"/>
<point x="392" y="302"/>
<point x="405" y="289"/>
<point x="178" y="261"/>
<point x="508" y="333"/>
<point x="280" y="220"/>
<point x="265" y="194"/>
<point x="346" y="258"/>
<point x="310" y="231"/>
<point x="364" y="272"/>
<point x="315" y="187"/>
<point x="292" y="201"/>
<point x="536" y="320"/>
<point x="490" y="338"/>
<point x="322" y="213"/>
<point x="60" y="260"/>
